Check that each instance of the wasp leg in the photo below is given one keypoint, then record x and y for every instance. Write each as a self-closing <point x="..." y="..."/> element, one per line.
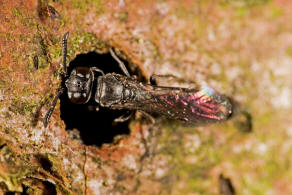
<point x="121" y="64"/>
<point x="148" y="116"/>
<point x="168" y="77"/>
<point x="153" y="78"/>
<point x="166" y="80"/>
<point x="94" y="69"/>
<point x="53" y="105"/>
<point x="124" y="117"/>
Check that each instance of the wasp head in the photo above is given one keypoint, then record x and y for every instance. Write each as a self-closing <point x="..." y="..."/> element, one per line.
<point x="79" y="85"/>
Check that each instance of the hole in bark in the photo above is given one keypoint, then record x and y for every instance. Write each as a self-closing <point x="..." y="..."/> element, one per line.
<point x="93" y="127"/>
<point x="49" y="188"/>
<point x="45" y="163"/>
<point x="9" y="193"/>
<point x="24" y="190"/>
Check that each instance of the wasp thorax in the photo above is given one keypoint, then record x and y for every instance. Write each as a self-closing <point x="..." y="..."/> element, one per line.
<point x="110" y="90"/>
<point x="79" y="85"/>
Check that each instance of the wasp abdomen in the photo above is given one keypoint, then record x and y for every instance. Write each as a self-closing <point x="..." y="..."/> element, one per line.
<point x="191" y="105"/>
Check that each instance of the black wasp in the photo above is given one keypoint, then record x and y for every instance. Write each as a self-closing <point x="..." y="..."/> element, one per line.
<point x="116" y="91"/>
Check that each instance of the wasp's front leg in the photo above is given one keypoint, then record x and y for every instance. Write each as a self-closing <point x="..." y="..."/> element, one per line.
<point x="52" y="107"/>
<point x="121" y="64"/>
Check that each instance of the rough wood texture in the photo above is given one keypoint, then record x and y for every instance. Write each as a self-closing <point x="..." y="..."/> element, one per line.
<point x="242" y="48"/>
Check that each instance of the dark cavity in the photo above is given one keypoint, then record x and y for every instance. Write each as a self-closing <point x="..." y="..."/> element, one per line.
<point x="94" y="127"/>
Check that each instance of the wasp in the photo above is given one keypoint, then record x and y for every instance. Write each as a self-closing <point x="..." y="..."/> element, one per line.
<point x="117" y="91"/>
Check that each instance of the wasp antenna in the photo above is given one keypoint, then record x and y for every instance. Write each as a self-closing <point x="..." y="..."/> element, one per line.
<point x="121" y="64"/>
<point x="64" y="52"/>
<point x="52" y="108"/>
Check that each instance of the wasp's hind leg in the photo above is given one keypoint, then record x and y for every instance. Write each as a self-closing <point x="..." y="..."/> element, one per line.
<point x="147" y="116"/>
<point x="154" y="77"/>
<point x="171" y="81"/>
